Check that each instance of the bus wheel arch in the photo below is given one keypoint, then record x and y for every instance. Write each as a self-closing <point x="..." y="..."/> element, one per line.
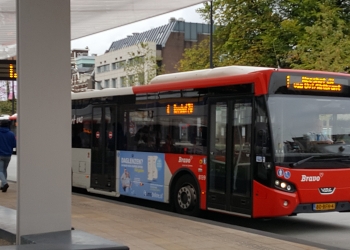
<point x="184" y="194"/>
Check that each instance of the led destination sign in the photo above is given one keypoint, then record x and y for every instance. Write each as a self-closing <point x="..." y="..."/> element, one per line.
<point x="179" y="109"/>
<point x="8" y="70"/>
<point x="323" y="84"/>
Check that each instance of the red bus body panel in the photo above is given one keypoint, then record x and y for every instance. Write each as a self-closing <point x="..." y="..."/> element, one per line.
<point x="197" y="164"/>
<point x="268" y="202"/>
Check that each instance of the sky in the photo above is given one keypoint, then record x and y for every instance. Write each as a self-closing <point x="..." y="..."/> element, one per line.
<point x="100" y="42"/>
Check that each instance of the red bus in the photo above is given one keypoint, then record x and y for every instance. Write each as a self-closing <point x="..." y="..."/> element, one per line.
<point x="235" y="140"/>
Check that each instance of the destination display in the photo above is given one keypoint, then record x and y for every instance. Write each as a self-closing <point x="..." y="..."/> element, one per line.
<point x="322" y="84"/>
<point x="8" y="70"/>
<point x="180" y="109"/>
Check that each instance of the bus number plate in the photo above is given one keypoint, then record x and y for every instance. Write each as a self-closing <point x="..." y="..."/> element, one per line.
<point x="323" y="206"/>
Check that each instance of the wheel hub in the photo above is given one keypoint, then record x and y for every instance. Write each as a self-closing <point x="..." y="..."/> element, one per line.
<point x="186" y="197"/>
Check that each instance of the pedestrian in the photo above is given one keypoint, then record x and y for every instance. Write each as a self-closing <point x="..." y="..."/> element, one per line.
<point x="7" y="144"/>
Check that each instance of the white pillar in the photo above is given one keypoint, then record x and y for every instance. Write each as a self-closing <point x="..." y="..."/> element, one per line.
<point x="44" y="107"/>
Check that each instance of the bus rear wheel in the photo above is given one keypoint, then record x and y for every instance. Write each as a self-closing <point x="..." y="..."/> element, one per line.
<point x="186" y="197"/>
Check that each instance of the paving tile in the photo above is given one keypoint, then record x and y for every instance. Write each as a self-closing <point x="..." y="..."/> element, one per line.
<point x="142" y="229"/>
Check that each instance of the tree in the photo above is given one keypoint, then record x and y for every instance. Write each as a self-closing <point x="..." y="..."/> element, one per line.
<point x="6" y="107"/>
<point x="325" y="45"/>
<point x="142" y="66"/>
<point x="247" y="32"/>
<point x="195" y="58"/>
<point x="310" y="34"/>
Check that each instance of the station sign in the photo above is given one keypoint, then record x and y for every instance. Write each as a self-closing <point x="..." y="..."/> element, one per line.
<point x="8" y="70"/>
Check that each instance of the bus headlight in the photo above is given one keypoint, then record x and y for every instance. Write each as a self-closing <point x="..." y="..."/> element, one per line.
<point x="284" y="185"/>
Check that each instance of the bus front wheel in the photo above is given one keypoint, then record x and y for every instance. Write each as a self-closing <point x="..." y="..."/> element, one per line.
<point x="186" y="197"/>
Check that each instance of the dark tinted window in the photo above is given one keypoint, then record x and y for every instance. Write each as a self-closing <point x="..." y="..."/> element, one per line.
<point x="81" y="124"/>
<point x="169" y="122"/>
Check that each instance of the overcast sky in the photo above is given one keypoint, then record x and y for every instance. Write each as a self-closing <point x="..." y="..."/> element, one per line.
<point x="101" y="42"/>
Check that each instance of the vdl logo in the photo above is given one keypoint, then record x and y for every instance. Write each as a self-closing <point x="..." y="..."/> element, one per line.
<point x="327" y="190"/>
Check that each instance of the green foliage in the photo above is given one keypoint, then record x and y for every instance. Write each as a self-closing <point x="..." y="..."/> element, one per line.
<point x="308" y="34"/>
<point x="325" y="45"/>
<point x="247" y="32"/>
<point x="6" y="107"/>
<point x="195" y="58"/>
<point x="142" y="66"/>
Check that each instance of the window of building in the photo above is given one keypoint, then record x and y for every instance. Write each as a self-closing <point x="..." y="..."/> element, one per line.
<point x="120" y="64"/>
<point x="103" y="68"/>
<point x="141" y="78"/>
<point x="131" y="61"/>
<point x="132" y="79"/>
<point x="106" y="67"/>
<point x="114" y="82"/>
<point x="139" y="59"/>
<point x="136" y="60"/>
<point x="87" y="65"/>
<point x="123" y="82"/>
<point x="106" y="83"/>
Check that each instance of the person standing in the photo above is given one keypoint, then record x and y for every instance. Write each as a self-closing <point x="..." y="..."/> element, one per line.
<point x="7" y="144"/>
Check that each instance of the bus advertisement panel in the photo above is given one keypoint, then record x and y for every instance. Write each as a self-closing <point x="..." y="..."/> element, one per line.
<point x="142" y="174"/>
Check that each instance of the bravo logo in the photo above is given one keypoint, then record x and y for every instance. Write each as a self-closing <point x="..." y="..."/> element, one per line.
<point x="311" y="178"/>
<point x="184" y="160"/>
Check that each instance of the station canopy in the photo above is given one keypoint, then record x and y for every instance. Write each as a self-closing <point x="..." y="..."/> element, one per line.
<point x="90" y="17"/>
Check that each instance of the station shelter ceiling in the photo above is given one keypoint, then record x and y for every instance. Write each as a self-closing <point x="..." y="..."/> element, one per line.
<point x="90" y="17"/>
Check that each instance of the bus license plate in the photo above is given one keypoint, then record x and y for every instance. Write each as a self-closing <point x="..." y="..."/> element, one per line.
<point x="324" y="206"/>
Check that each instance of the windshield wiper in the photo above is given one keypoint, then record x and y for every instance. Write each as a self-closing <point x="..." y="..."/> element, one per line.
<point x="302" y="161"/>
<point x="337" y="158"/>
<point x="330" y="157"/>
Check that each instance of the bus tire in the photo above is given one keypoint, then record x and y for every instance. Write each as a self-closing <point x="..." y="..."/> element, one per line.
<point x="186" y="196"/>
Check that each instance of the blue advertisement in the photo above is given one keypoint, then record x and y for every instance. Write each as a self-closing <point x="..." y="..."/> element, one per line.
<point x="142" y="175"/>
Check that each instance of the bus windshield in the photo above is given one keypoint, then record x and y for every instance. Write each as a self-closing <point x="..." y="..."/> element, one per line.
<point x="310" y="131"/>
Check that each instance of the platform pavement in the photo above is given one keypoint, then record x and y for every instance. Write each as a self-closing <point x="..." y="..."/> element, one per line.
<point x="142" y="228"/>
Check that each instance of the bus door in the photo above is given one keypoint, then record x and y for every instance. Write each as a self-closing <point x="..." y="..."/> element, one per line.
<point x="229" y="159"/>
<point x="103" y="152"/>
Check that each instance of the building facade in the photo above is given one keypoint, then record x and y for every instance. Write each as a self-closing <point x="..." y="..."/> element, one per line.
<point x="82" y="70"/>
<point x="136" y="59"/>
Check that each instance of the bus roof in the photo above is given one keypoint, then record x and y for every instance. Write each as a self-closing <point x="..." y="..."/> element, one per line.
<point x="93" y="93"/>
<point x="207" y="73"/>
<point x="4" y="117"/>
<point x="197" y="78"/>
